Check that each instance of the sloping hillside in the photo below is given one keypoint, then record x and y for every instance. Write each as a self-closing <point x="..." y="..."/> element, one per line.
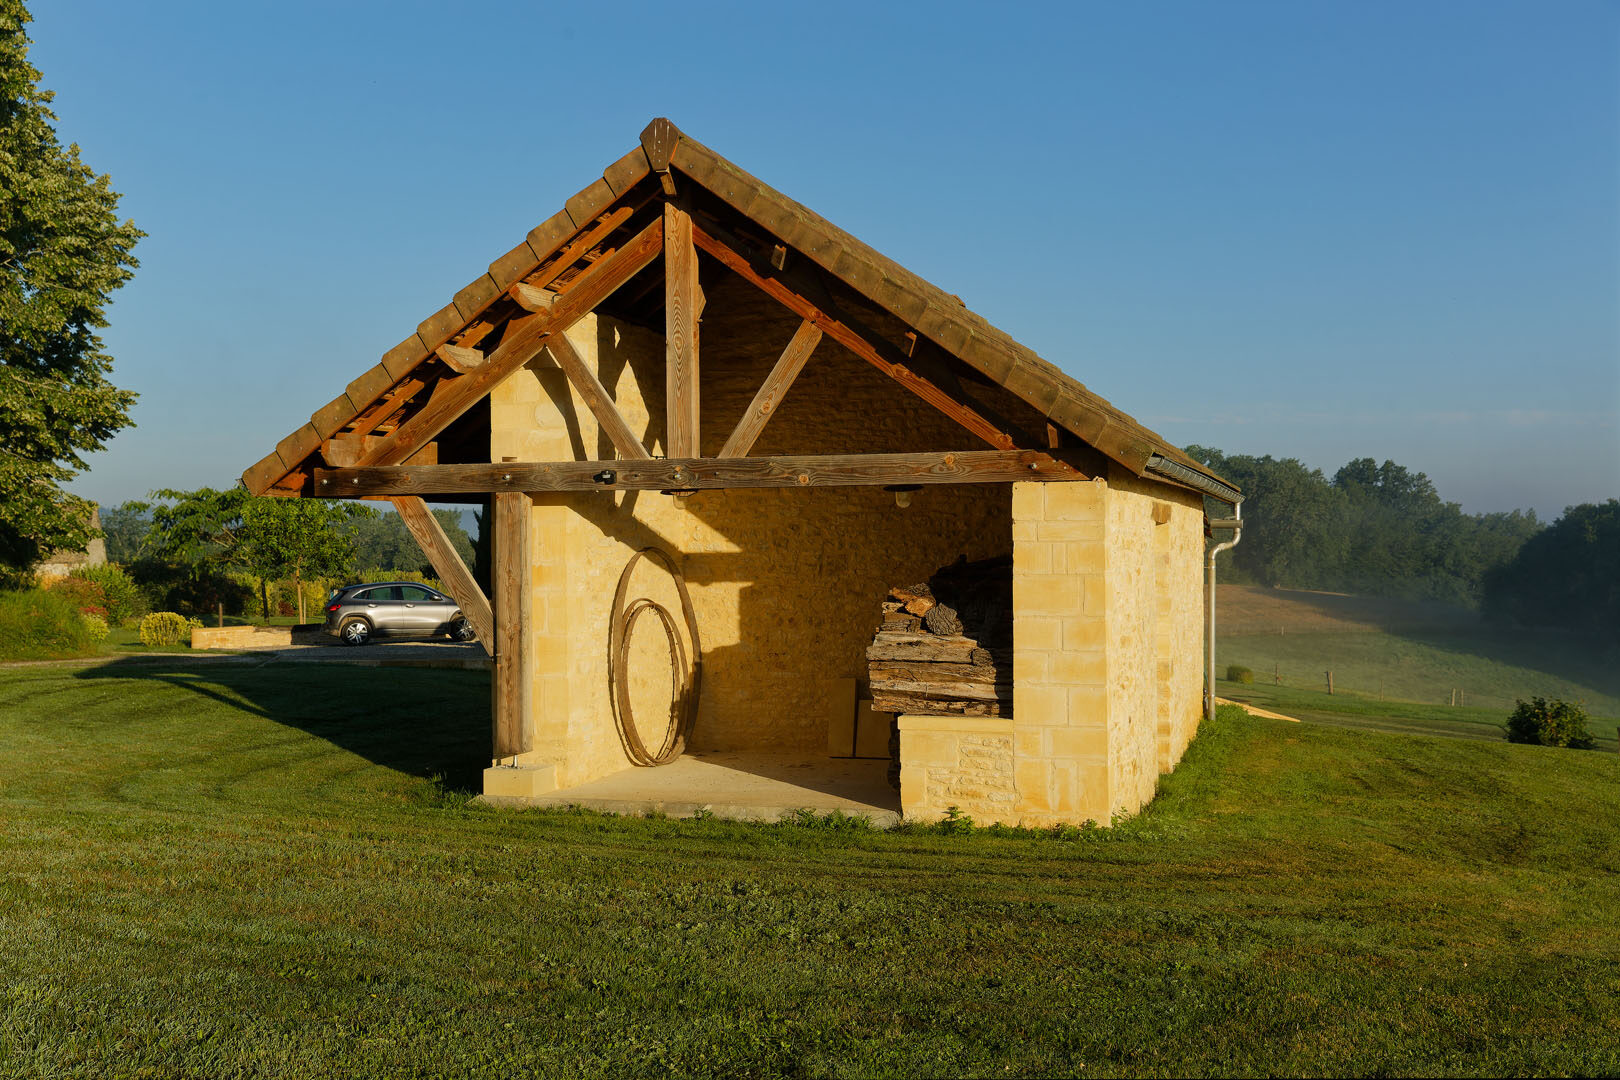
<point x="1406" y="651"/>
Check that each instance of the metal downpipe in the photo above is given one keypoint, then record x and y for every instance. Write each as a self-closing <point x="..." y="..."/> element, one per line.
<point x="1235" y="523"/>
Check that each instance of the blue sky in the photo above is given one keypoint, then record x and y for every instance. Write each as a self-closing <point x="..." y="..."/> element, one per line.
<point x="1313" y="230"/>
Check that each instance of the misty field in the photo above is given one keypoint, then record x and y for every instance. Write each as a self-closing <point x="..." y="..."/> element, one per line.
<point x="234" y="869"/>
<point x="1403" y="651"/>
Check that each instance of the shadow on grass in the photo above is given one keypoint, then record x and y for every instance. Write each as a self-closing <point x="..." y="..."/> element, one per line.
<point x="420" y="721"/>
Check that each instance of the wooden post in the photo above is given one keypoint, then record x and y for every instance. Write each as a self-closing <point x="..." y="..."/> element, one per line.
<point x="222" y="614"/>
<point x="1276" y="674"/>
<point x="1330" y="680"/>
<point x="680" y="335"/>
<point x="514" y="664"/>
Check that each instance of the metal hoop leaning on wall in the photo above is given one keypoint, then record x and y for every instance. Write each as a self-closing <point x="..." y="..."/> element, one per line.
<point x="684" y="684"/>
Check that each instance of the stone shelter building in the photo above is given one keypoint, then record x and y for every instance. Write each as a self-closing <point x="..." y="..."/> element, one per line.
<point x="685" y="363"/>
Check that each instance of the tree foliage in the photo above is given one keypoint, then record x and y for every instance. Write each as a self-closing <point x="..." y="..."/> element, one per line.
<point x="62" y="253"/>
<point x="1377" y="529"/>
<point x="266" y="537"/>
<point x="1566" y="576"/>
<point x="383" y="543"/>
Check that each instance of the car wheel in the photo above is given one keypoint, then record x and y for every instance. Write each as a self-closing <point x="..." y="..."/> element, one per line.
<point x="355" y="632"/>
<point x="462" y="630"/>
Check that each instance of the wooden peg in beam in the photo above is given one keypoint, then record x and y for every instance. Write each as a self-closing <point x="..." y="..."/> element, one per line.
<point x="666" y="180"/>
<point x="532" y="298"/>
<point x="458" y="359"/>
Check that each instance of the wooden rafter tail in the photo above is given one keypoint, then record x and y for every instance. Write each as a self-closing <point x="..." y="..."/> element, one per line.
<point x="772" y="390"/>
<point x="698" y="474"/>
<point x="524" y="339"/>
<point x="458" y="580"/>
<point x="924" y="388"/>
<point x="584" y="380"/>
<point x="681" y="435"/>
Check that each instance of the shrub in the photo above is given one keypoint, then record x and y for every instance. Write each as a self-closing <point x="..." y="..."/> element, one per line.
<point x="165" y="628"/>
<point x="82" y="593"/>
<point x="96" y="626"/>
<point x="40" y="624"/>
<point x="1540" y="722"/>
<point x="123" y="598"/>
<point x="1239" y="674"/>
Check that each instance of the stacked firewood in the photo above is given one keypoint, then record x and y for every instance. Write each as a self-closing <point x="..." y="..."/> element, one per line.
<point x="945" y="645"/>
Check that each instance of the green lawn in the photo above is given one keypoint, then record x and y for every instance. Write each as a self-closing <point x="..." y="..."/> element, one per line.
<point x="235" y="869"/>
<point x="1491" y="667"/>
<point x="1403" y="717"/>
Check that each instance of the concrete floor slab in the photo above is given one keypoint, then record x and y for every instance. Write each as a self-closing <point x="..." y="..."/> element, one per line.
<point x="747" y="787"/>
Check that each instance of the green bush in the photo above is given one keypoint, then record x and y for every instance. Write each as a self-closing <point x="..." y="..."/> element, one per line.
<point x="1540" y="722"/>
<point x="42" y="624"/>
<point x="165" y="628"/>
<point x="85" y="595"/>
<point x="97" y="627"/>
<point x="1238" y="673"/>
<point x="122" y="597"/>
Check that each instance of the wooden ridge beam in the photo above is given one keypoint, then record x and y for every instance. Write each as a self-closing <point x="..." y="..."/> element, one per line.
<point x="524" y="339"/>
<point x="698" y="474"/>
<point x="458" y="580"/>
<point x="846" y="336"/>
<point x="584" y="380"/>
<point x="776" y="384"/>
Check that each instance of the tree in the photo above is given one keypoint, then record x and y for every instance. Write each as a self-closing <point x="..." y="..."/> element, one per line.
<point x="1567" y="575"/>
<point x="62" y="253"/>
<point x="384" y="543"/>
<point x="266" y="537"/>
<point x="125" y="527"/>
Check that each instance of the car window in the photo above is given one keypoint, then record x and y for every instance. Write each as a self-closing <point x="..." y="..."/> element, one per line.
<point x="363" y="595"/>
<point x="413" y="594"/>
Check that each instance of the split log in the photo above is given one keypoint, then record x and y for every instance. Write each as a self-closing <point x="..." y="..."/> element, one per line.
<point x="942" y="619"/>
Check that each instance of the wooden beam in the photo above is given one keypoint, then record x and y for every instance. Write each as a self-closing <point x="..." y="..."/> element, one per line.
<point x="569" y="255"/>
<point x="596" y="397"/>
<point x="846" y="336"/>
<point x="458" y="580"/>
<point x="459" y="359"/>
<point x="346" y="451"/>
<point x="532" y="297"/>
<point x="694" y="474"/>
<point x="524" y="339"/>
<point x="680" y="335"/>
<point x="770" y="394"/>
<point x="512" y="686"/>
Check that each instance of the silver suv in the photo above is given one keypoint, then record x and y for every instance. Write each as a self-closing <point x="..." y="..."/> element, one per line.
<point x="357" y="613"/>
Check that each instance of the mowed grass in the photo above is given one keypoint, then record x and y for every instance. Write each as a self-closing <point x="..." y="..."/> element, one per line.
<point x="230" y="869"/>
<point x="1406" y="651"/>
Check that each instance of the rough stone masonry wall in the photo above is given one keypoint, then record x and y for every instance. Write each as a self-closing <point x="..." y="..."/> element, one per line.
<point x="786" y="583"/>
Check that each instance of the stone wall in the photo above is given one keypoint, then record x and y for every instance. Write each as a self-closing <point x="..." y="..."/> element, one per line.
<point x="786" y="584"/>
<point x="1106" y="659"/>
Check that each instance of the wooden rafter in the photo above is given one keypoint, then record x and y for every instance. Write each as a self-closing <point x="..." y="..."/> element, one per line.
<point x="770" y="394"/>
<point x="458" y="580"/>
<point x="571" y="254"/>
<point x="524" y="339"/>
<point x="681" y="436"/>
<point x="892" y="366"/>
<point x="694" y="474"/>
<point x="607" y="414"/>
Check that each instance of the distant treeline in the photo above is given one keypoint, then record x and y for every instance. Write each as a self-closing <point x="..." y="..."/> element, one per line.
<point x="1378" y="530"/>
<point x="1383" y="530"/>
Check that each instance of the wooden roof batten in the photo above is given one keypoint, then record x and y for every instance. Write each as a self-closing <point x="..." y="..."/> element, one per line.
<point x="529" y="296"/>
